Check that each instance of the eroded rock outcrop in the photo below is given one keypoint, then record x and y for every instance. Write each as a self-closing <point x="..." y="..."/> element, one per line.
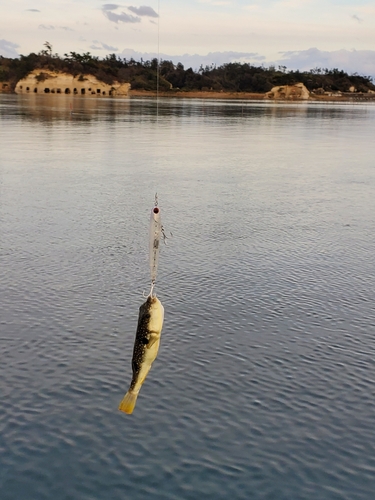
<point x="45" y="81"/>
<point x="289" y="92"/>
<point x="5" y="87"/>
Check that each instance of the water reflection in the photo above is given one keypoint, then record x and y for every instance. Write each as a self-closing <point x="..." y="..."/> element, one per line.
<point x="52" y="107"/>
<point x="264" y="379"/>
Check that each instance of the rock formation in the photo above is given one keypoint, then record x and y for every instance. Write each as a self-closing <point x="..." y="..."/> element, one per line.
<point x="289" y="92"/>
<point x="4" y="87"/>
<point x="46" y="81"/>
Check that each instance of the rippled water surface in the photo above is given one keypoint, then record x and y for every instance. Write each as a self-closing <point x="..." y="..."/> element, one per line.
<point x="264" y="383"/>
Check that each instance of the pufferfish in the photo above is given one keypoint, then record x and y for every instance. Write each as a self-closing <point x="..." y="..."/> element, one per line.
<point x="146" y="346"/>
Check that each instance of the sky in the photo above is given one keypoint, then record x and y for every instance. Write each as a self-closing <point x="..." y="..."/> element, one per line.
<point x="298" y="34"/>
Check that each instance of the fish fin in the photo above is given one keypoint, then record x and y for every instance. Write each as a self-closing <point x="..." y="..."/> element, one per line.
<point x="153" y="337"/>
<point x="128" y="403"/>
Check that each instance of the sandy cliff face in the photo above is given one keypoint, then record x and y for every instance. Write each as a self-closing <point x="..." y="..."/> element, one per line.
<point x="45" y="81"/>
<point x="297" y="91"/>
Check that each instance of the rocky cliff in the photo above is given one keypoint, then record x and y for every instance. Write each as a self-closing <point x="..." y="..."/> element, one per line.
<point x="290" y="92"/>
<point x="46" y="81"/>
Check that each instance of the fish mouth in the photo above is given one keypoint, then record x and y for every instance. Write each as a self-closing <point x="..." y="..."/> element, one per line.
<point x="155" y="305"/>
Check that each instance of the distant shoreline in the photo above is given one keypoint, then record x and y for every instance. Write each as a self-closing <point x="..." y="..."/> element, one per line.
<point x="251" y="96"/>
<point x="245" y="96"/>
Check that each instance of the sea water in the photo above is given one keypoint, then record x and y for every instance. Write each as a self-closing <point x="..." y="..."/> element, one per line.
<point x="264" y="386"/>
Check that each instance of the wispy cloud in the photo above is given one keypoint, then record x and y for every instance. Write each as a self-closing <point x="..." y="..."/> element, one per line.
<point x="216" y="2"/>
<point x="116" y="18"/>
<point x="50" y="27"/>
<point x="123" y="17"/>
<point x="110" y="6"/>
<point x="143" y="11"/>
<point x="32" y="10"/>
<point x="102" y="46"/>
<point x="196" y="60"/>
<point x="8" y="49"/>
<point x="360" y="61"/>
<point x="357" y="18"/>
<point x="351" y="61"/>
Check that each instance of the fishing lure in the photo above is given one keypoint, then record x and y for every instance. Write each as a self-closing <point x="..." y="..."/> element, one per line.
<point x="156" y="231"/>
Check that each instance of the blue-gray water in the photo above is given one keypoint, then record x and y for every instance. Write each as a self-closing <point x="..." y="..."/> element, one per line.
<point x="264" y="387"/>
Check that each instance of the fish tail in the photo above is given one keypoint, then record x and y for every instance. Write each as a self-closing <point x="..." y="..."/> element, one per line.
<point x="128" y="403"/>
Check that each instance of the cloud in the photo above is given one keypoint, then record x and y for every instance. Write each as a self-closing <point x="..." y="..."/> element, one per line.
<point x="195" y="60"/>
<point x="143" y="11"/>
<point x="123" y="17"/>
<point x="351" y="61"/>
<point x="50" y="27"/>
<point x="356" y="18"/>
<point x="216" y="3"/>
<point x="102" y="46"/>
<point x="110" y="6"/>
<point x="8" y="49"/>
<point x="32" y="10"/>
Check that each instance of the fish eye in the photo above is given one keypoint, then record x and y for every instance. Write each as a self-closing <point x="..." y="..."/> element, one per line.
<point x="156" y="210"/>
<point x="145" y="341"/>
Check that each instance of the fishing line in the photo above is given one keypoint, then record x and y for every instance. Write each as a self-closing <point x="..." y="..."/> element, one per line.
<point x="158" y="66"/>
<point x="151" y="313"/>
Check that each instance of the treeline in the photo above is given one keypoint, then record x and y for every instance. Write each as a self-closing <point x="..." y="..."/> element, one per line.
<point x="146" y="75"/>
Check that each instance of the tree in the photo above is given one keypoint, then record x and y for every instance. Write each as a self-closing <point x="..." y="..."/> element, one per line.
<point x="48" y="50"/>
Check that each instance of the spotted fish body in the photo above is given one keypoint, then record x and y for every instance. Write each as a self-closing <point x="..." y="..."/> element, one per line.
<point x="146" y="346"/>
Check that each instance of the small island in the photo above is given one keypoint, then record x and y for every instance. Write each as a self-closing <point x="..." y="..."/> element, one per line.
<point x="85" y="74"/>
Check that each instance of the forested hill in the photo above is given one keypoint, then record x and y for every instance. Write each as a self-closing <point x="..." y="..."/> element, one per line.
<point x="142" y="75"/>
